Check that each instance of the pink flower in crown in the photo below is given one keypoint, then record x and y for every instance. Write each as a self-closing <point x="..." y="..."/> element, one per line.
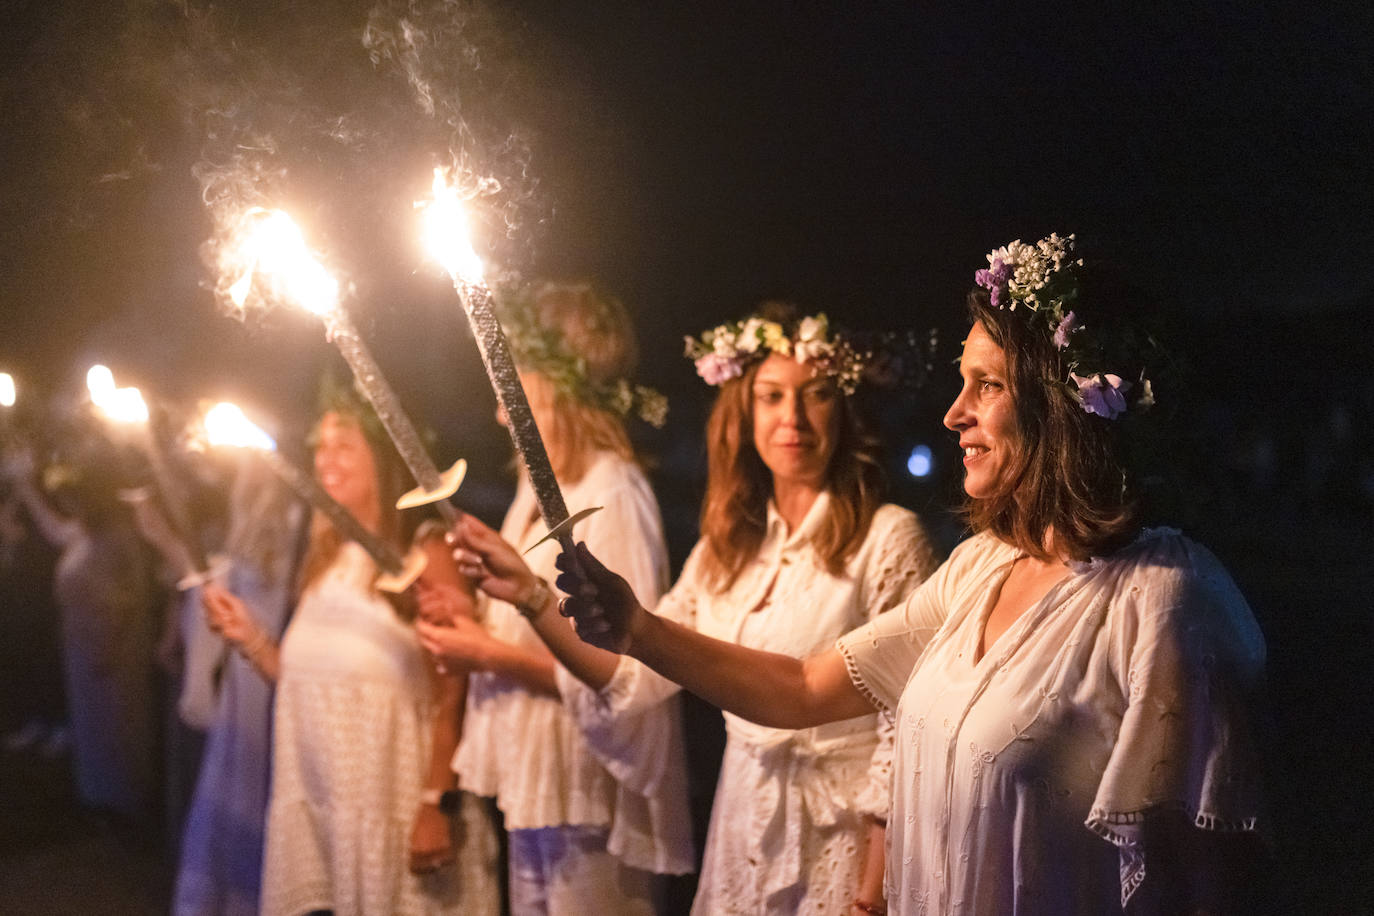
<point x="1103" y="394"/>
<point x="716" y="369"/>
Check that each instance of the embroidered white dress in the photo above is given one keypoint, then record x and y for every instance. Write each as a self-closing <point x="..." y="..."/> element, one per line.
<point x="568" y="760"/>
<point x="787" y="833"/>
<point x="1021" y="778"/>
<point x="353" y="728"/>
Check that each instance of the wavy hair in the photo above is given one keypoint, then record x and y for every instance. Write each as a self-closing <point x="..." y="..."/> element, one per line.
<point x="1070" y="475"/>
<point x="734" y="516"/>
<point x="392" y="480"/>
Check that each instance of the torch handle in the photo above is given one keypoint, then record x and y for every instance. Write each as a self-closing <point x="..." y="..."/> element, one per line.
<point x="173" y="500"/>
<point x="378" y="391"/>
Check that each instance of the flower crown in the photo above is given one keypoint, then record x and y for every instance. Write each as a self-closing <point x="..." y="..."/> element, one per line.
<point x="1043" y="278"/>
<point x="885" y="359"/>
<point x="722" y="352"/>
<point x="535" y="346"/>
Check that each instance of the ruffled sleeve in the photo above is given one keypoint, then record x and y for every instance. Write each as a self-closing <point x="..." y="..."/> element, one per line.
<point x="881" y="654"/>
<point x="626" y="724"/>
<point x="901" y="560"/>
<point x="1188" y="654"/>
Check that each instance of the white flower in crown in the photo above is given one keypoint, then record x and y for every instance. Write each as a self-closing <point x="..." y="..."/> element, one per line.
<point x="751" y="335"/>
<point x="813" y="339"/>
<point x="723" y="341"/>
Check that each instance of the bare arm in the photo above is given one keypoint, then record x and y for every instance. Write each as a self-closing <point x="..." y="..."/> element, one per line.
<point x="55" y="528"/>
<point x="500" y="572"/>
<point x="764" y="687"/>
<point x="771" y="689"/>
<point x="228" y="617"/>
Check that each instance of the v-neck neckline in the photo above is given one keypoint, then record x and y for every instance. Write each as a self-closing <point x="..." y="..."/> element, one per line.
<point x="1034" y="610"/>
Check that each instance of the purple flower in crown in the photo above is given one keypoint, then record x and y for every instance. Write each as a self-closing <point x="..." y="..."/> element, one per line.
<point x="1066" y="327"/>
<point x="994" y="280"/>
<point x="716" y="369"/>
<point x="1103" y="393"/>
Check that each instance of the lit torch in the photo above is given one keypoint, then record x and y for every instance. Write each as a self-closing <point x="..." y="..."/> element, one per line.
<point x="449" y="243"/>
<point x="225" y="425"/>
<point x="126" y="407"/>
<point x="277" y="254"/>
<point x="8" y="396"/>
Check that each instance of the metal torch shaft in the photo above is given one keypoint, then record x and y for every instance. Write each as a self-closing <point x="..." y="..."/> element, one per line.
<point x="510" y="394"/>
<point x="388" y="406"/>
<point x="173" y="499"/>
<point x="386" y="556"/>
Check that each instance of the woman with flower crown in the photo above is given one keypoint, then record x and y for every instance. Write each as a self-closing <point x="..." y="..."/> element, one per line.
<point x="796" y="549"/>
<point x="1073" y="738"/>
<point x="582" y="751"/>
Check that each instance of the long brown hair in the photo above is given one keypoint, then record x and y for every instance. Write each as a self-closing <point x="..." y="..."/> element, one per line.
<point x="734" y="516"/>
<point x="1068" y="475"/>
<point x="392" y="479"/>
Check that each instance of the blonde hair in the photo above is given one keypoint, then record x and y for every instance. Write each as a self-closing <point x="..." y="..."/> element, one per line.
<point x="596" y="330"/>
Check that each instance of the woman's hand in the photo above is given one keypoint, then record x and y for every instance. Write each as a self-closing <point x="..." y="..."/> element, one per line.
<point x="602" y="604"/>
<point x="485" y="558"/>
<point x="440" y="603"/>
<point x="460" y="642"/>
<point x="431" y="841"/>
<point x="229" y="617"/>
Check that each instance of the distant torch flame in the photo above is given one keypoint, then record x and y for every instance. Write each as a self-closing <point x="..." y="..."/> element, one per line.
<point x="100" y="383"/>
<point x="7" y="394"/>
<point x="446" y="233"/>
<point x="123" y="405"/>
<point x="275" y="250"/>
<point x="226" y="425"/>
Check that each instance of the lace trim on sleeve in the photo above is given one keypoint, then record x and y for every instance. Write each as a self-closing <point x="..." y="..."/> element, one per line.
<point x="1122" y="830"/>
<point x="852" y="669"/>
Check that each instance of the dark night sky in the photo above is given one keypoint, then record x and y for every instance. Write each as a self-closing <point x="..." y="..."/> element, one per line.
<point x="693" y="158"/>
<point x="696" y="157"/>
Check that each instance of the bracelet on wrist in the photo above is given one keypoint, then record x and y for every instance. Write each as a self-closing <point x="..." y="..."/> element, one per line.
<point x="873" y="909"/>
<point x="533" y="604"/>
<point x="254" y="644"/>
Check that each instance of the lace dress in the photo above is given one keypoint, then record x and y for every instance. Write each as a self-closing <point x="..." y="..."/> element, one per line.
<point x="1022" y="779"/>
<point x="353" y="728"/>
<point x="787" y="832"/>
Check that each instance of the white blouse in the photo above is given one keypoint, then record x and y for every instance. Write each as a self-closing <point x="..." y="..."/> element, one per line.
<point x="551" y="761"/>
<point x="1120" y="693"/>
<point x="787" y="825"/>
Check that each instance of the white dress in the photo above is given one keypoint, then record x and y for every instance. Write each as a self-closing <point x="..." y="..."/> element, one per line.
<point x="787" y="832"/>
<point x="568" y="761"/>
<point x="353" y="729"/>
<point x="1022" y="778"/>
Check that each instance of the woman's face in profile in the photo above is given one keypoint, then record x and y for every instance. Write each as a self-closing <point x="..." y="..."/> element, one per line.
<point x="796" y="419"/>
<point x="984" y="416"/>
<point x="344" y="464"/>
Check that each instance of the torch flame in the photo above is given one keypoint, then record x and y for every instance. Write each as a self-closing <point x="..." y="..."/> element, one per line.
<point x="276" y="250"/>
<point x="6" y="390"/>
<point x="225" y="424"/>
<point x="123" y="405"/>
<point x="100" y="383"/>
<point x="446" y="233"/>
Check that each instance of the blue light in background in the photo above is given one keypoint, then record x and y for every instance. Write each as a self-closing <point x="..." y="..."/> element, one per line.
<point x="919" y="464"/>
